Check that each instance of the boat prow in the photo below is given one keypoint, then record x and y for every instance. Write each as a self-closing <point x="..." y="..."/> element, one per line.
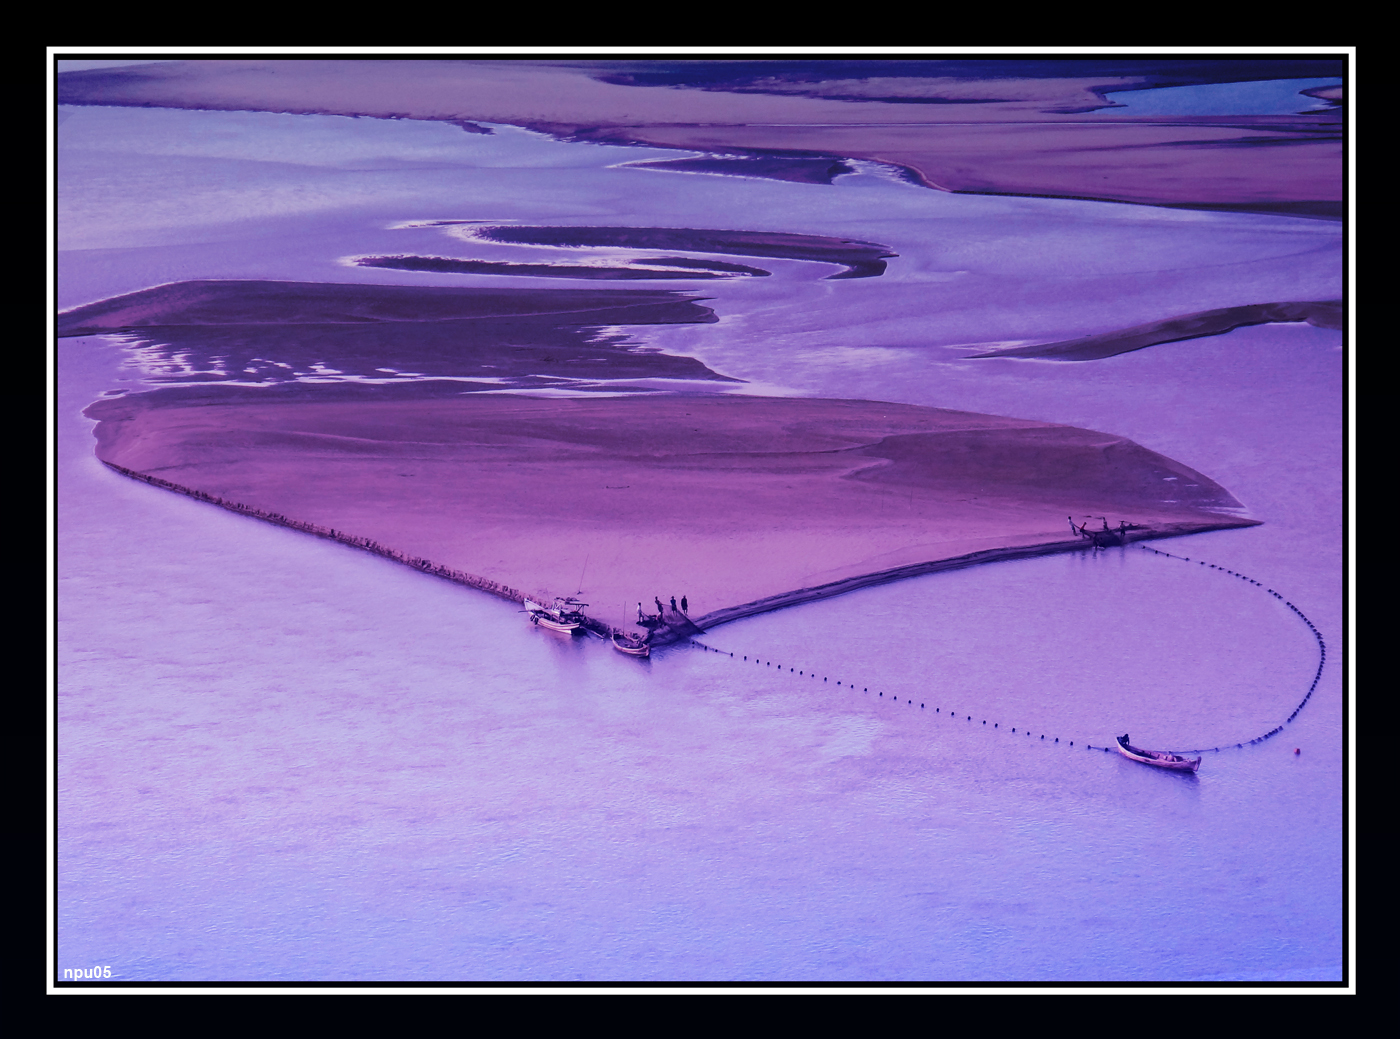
<point x="1160" y="758"/>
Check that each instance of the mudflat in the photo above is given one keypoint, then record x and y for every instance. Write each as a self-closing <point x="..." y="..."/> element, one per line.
<point x="738" y="503"/>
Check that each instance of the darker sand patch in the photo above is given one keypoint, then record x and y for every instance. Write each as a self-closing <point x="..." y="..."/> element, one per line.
<point x="861" y="259"/>
<point x="1323" y="314"/>
<point x="795" y="169"/>
<point x="669" y="268"/>
<point x="739" y="503"/>
<point x="271" y="332"/>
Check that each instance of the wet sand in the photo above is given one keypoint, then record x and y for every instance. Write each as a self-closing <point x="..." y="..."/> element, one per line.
<point x="742" y="504"/>
<point x="1000" y="136"/>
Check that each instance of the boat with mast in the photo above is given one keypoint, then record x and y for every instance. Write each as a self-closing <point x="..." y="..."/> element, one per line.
<point x="565" y="615"/>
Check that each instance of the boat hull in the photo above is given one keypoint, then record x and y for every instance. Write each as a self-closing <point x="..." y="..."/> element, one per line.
<point x="546" y="617"/>
<point x="1159" y="759"/>
<point x="568" y="627"/>
<point x="642" y="650"/>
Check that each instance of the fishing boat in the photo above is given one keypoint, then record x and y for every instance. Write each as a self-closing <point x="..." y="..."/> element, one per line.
<point x="565" y="615"/>
<point x="1160" y="758"/>
<point x="630" y="645"/>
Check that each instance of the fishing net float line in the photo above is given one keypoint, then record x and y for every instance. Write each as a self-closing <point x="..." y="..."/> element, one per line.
<point x="1020" y="730"/>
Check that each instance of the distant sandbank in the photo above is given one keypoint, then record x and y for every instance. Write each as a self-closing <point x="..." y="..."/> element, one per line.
<point x="956" y="129"/>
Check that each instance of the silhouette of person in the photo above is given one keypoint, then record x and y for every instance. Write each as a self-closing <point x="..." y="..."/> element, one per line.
<point x="659" y="608"/>
<point x="685" y="607"/>
<point x="673" y="602"/>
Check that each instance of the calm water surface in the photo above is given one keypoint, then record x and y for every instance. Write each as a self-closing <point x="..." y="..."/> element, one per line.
<point x="281" y="759"/>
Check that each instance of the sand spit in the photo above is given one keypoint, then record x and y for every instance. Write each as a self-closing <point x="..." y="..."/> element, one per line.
<point x="1323" y="314"/>
<point x="741" y="504"/>
<point x="994" y="132"/>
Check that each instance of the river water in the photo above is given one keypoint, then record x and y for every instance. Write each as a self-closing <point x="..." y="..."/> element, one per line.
<point x="280" y="759"/>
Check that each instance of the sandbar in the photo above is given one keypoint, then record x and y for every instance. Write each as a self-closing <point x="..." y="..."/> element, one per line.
<point x="284" y="332"/>
<point x="740" y="503"/>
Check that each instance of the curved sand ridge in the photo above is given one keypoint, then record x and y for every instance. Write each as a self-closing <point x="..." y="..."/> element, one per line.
<point x="742" y="504"/>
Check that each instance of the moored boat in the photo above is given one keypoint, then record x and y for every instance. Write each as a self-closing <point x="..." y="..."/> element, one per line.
<point x="634" y="647"/>
<point x="565" y="615"/>
<point x="1160" y="758"/>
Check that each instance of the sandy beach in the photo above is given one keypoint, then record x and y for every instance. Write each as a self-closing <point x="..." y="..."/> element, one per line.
<point x="727" y="501"/>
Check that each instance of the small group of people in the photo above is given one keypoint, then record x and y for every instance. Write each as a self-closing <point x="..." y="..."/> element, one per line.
<point x="1083" y="529"/>
<point x="660" y="617"/>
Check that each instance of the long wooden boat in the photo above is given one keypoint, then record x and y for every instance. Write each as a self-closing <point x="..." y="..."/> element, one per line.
<point x="562" y="616"/>
<point x="631" y="646"/>
<point x="1160" y="758"/>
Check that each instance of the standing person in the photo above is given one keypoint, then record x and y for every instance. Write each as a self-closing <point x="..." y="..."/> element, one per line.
<point x="660" y="610"/>
<point x="640" y="615"/>
<point x="685" y="607"/>
<point x="673" y="604"/>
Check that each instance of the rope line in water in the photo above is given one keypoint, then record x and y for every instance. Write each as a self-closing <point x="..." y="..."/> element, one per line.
<point x="1321" y="647"/>
<point x="1016" y="730"/>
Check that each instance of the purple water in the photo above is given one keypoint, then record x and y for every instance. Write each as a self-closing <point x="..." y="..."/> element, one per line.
<point x="280" y="759"/>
